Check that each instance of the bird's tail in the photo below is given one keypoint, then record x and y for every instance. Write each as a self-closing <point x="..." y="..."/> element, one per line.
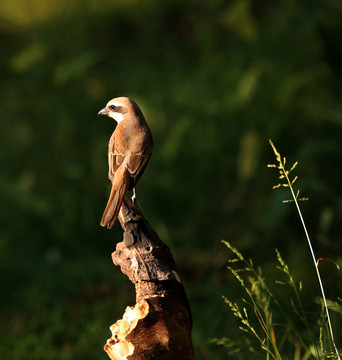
<point x="114" y="202"/>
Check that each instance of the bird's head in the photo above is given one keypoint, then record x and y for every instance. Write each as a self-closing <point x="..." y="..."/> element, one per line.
<point x="117" y="108"/>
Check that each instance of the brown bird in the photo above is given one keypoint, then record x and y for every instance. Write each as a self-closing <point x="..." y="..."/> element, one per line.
<point x="129" y="151"/>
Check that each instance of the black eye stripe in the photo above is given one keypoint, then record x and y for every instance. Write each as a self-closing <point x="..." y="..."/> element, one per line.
<point x="118" y="109"/>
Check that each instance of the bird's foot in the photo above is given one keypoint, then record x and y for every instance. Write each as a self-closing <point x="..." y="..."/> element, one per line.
<point x="134" y="197"/>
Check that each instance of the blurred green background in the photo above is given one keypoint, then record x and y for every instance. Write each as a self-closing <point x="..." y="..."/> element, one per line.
<point x="215" y="79"/>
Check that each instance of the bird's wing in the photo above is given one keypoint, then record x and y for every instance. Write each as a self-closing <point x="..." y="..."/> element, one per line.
<point x="134" y="162"/>
<point x="115" y="159"/>
<point x="137" y="162"/>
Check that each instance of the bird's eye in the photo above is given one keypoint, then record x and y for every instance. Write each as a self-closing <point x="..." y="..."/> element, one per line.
<point x="112" y="107"/>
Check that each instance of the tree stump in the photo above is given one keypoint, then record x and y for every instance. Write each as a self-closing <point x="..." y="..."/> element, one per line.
<point x="158" y="326"/>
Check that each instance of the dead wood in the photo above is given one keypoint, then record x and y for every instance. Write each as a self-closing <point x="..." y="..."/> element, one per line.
<point x="158" y="326"/>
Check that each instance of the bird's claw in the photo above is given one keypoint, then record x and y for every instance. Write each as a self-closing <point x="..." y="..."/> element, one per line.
<point x="134" y="197"/>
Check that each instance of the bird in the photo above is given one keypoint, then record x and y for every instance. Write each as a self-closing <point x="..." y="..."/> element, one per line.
<point x="129" y="151"/>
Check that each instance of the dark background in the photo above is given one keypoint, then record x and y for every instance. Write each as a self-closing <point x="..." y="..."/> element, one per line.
<point x="215" y="79"/>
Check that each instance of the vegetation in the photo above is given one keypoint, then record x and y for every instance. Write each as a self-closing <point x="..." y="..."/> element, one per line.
<point x="266" y="306"/>
<point x="215" y="80"/>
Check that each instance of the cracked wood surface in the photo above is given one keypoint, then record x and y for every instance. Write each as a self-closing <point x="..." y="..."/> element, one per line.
<point x="158" y="326"/>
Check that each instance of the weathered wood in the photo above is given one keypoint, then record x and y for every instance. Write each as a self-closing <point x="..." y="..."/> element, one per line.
<point x="159" y="325"/>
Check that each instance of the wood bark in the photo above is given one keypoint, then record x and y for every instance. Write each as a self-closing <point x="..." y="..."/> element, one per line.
<point x="159" y="325"/>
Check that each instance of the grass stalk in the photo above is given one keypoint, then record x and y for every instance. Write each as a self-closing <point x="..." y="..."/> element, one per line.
<point x="284" y="174"/>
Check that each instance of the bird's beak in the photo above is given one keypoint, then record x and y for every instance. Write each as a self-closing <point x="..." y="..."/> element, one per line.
<point x="104" y="111"/>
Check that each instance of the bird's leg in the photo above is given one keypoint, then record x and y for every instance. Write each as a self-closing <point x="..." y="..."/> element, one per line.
<point x="134" y="197"/>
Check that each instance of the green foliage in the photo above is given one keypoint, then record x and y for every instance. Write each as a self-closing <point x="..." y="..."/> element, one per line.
<point x="260" y="299"/>
<point x="215" y="79"/>
<point x="285" y="174"/>
<point x="283" y="332"/>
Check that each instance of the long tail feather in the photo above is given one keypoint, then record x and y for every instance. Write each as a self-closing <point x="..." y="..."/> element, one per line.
<point x="114" y="203"/>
